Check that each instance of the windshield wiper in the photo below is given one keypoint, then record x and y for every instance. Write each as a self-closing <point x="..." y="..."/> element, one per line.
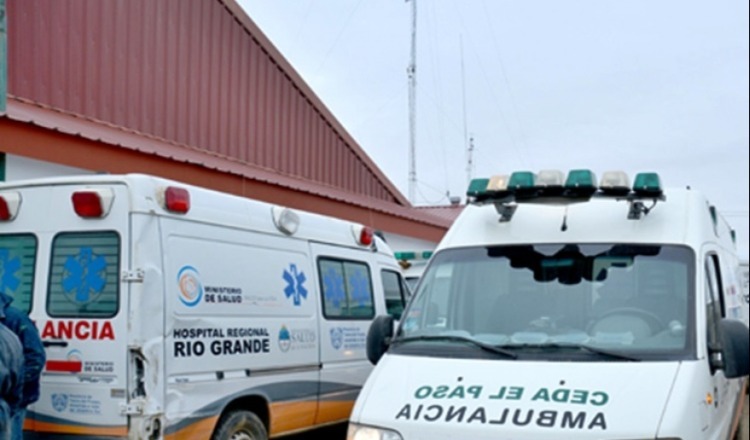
<point x="456" y="338"/>
<point x="581" y="347"/>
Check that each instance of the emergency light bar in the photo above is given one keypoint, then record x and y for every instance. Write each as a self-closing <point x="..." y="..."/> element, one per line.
<point x="410" y="255"/>
<point x="578" y="185"/>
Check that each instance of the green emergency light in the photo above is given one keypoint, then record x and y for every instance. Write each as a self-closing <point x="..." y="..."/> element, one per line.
<point x="647" y="184"/>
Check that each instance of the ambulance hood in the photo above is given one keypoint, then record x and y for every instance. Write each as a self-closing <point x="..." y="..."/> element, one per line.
<point x="436" y="399"/>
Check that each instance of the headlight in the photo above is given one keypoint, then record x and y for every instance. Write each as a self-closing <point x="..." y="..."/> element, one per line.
<point x="362" y="432"/>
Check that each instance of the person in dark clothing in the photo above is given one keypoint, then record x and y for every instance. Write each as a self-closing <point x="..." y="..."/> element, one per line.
<point x="11" y="378"/>
<point x="34" y="357"/>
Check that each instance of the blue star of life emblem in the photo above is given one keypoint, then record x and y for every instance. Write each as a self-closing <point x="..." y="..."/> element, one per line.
<point x="334" y="288"/>
<point x="360" y="288"/>
<point x="294" y="288"/>
<point x="84" y="275"/>
<point x="8" y="268"/>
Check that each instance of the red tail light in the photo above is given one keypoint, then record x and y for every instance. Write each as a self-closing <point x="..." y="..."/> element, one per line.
<point x="88" y="204"/>
<point x="4" y="210"/>
<point x="93" y="203"/>
<point x="177" y="200"/>
<point x="9" y="204"/>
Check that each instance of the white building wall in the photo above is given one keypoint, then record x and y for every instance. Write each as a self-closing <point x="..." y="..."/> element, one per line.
<point x="20" y="168"/>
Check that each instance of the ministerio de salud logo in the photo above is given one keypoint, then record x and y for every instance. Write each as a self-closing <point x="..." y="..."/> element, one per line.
<point x="190" y="286"/>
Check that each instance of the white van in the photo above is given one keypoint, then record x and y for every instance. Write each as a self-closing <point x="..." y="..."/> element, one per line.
<point x="564" y="308"/>
<point x="172" y="311"/>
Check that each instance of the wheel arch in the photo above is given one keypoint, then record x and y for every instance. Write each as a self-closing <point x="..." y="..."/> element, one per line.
<point x="256" y="404"/>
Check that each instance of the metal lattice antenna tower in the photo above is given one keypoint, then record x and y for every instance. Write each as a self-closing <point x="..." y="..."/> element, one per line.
<point x="412" y="72"/>
<point x="470" y="160"/>
<point x="468" y="142"/>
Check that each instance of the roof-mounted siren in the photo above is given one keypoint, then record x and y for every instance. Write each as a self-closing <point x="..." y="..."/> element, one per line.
<point x="10" y="202"/>
<point x="647" y="185"/>
<point x="615" y="183"/>
<point x="364" y="235"/>
<point x="580" y="184"/>
<point x="92" y="203"/>
<point x="286" y="220"/>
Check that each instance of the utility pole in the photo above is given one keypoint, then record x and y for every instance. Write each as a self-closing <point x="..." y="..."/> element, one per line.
<point x="412" y="73"/>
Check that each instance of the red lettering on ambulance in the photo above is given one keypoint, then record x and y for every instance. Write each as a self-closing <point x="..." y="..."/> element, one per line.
<point x="81" y="330"/>
<point x="65" y="330"/>
<point x="107" y="331"/>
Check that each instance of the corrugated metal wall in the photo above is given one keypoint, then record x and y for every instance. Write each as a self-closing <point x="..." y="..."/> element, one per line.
<point x="182" y="70"/>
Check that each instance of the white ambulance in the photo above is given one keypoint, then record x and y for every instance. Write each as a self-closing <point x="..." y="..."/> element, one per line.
<point x="562" y="307"/>
<point x="172" y="311"/>
<point x="413" y="264"/>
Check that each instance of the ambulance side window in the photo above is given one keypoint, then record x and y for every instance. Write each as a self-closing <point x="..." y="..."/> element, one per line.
<point x="347" y="289"/>
<point x="84" y="275"/>
<point x="17" y="262"/>
<point x="714" y="301"/>
<point x="395" y="292"/>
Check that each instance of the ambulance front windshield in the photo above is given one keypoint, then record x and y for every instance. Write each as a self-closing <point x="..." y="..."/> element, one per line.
<point x="557" y="301"/>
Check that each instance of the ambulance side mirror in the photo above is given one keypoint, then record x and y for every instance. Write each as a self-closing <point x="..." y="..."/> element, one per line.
<point x="379" y="337"/>
<point x="735" y="343"/>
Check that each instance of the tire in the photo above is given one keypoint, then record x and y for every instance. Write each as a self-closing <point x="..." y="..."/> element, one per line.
<point x="240" y="425"/>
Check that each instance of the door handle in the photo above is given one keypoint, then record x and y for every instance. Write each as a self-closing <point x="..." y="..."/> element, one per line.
<point x="55" y="343"/>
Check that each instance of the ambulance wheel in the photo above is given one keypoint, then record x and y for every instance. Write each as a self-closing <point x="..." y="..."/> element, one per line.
<point x="240" y="425"/>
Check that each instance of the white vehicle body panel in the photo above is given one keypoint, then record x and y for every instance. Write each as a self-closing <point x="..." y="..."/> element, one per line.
<point x="206" y="312"/>
<point x="418" y="393"/>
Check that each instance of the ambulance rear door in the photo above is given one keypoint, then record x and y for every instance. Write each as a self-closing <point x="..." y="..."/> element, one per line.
<point x="62" y="259"/>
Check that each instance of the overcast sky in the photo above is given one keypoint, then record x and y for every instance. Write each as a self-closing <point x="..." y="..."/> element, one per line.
<point x="633" y="85"/>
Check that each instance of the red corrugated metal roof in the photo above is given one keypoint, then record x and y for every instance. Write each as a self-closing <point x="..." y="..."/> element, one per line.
<point x="36" y="114"/>
<point x="197" y="72"/>
<point x="448" y="213"/>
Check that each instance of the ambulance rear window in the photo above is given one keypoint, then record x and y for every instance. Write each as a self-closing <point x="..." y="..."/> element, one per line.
<point x="84" y="275"/>
<point x="17" y="261"/>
